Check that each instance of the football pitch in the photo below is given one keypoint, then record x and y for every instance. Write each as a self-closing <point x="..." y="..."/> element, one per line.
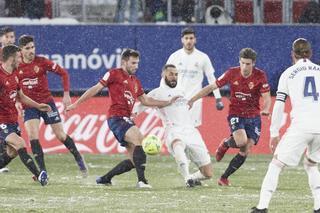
<point x="68" y="193"/>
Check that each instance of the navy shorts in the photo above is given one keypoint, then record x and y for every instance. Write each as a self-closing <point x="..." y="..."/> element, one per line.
<point x="119" y="126"/>
<point x="252" y="126"/>
<point x="7" y="129"/>
<point x="52" y="117"/>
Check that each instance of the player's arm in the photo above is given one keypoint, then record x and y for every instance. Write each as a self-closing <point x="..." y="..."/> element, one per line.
<point x="139" y="107"/>
<point x="63" y="73"/>
<point x="85" y="96"/>
<point x="209" y="72"/>
<point x="205" y="91"/>
<point x="151" y="102"/>
<point x="28" y="101"/>
<point x="266" y="103"/>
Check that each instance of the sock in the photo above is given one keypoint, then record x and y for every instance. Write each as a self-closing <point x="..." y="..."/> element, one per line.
<point x="5" y="159"/>
<point x="122" y="167"/>
<point x="28" y="162"/>
<point x="198" y="176"/>
<point x="270" y="183"/>
<point x="182" y="160"/>
<point x="314" y="182"/>
<point x="234" y="165"/>
<point x="230" y="142"/>
<point x="38" y="154"/>
<point x="69" y="143"/>
<point x="140" y="159"/>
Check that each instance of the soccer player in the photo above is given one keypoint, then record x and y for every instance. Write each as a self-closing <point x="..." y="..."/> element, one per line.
<point x="124" y="88"/>
<point x="9" y="128"/>
<point x="301" y="82"/>
<point x="32" y="74"/>
<point x="182" y="139"/>
<point x="192" y="64"/>
<point x="247" y="84"/>
<point x="7" y="36"/>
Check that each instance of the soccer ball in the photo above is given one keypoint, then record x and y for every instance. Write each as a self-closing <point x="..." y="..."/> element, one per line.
<point x="151" y="145"/>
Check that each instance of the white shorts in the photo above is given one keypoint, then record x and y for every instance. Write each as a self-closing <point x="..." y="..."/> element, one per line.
<point x="196" y="113"/>
<point x="294" y="143"/>
<point x="195" y="147"/>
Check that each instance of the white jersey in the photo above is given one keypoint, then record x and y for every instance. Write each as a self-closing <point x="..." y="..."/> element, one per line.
<point x="301" y="82"/>
<point x="191" y="70"/>
<point x="176" y="114"/>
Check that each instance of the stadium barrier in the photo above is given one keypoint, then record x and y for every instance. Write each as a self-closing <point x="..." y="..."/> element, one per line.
<point x="88" y="50"/>
<point x="87" y="125"/>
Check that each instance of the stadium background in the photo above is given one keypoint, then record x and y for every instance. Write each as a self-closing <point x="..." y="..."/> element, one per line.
<point x="87" y="50"/>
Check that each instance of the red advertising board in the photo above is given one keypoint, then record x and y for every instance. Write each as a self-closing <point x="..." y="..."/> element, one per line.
<point x="87" y="125"/>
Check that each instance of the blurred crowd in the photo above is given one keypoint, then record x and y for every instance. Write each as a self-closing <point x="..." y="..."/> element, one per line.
<point x="137" y="11"/>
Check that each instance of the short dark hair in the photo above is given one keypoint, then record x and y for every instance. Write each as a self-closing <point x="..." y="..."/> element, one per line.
<point x="248" y="53"/>
<point x="25" y="39"/>
<point x="5" y="30"/>
<point x="9" y="51"/>
<point x="127" y="53"/>
<point x="301" y="48"/>
<point x="167" y="66"/>
<point x="187" y="30"/>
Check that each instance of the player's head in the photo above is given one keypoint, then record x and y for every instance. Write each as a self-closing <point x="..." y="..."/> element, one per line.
<point x="301" y="48"/>
<point x="130" y="60"/>
<point x="247" y="60"/>
<point x="170" y="75"/>
<point x="7" y="36"/>
<point x="188" y="38"/>
<point x="11" y="55"/>
<point x="28" y="50"/>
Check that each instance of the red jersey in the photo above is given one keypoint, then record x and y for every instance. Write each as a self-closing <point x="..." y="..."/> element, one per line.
<point x="245" y="92"/>
<point x="9" y="85"/>
<point x="34" y="81"/>
<point x="123" y="90"/>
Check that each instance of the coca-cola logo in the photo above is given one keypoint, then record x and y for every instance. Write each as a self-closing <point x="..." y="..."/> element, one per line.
<point x="91" y="133"/>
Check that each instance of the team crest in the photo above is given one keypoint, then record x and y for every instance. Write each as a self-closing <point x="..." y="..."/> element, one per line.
<point x="236" y="83"/>
<point x="36" y="69"/>
<point x="7" y="83"/>
<point x="196" y="64"/>
<point x="251" y="85"/>
<point x="20" y="72"/>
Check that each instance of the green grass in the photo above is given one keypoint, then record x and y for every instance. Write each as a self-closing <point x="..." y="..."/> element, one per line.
<point x="68" y="193"/>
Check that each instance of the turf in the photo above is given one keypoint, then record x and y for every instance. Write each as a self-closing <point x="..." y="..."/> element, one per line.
<point x="68" y="193"/>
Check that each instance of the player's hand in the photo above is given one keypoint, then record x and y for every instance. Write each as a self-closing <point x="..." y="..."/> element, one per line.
<point x="66" y="100"/>
<point x="44" y="108"/>
<point x="173" y="99"/>
<point x="273" y="143"/>
<point x="19" y="108"/>
<point x="190" y="103"/>
<point x="265" y="113"/>
<point x="71" y="107"/>
<point x="219" y="104"/>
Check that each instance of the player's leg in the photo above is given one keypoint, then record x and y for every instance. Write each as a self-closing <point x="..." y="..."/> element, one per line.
<point x="178" y="152"/>
<point x="123" y="167"/>
<point x="288" y="152"/>
<point x="32" y="129"/>
<point x="32" y="123"/>
<point x="134" y="136"/>
<point x="311" y="161"/>
<point x="7" y="156"/>
<point x="54" y="120"/>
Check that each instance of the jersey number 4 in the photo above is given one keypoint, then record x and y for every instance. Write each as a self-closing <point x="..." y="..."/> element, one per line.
<point x="310" y="88"/>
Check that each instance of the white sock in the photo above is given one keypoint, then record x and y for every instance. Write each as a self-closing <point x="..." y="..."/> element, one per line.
<point x="182" y="160"/>
<point x="198" y="176"/>
<point x="314" y="182"/>
<point x="269" y="183"/>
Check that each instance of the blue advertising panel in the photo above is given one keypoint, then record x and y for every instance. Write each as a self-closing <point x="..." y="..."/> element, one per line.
<point x="87" y="51"/>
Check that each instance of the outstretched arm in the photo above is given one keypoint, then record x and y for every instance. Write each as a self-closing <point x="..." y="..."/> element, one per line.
<point x="88" y="94"/>
<point x="148" y="101"/>
<point x="205" y="91"/>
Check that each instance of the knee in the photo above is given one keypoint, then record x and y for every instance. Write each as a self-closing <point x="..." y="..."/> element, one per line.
<point x="308" y="163"/>
<point x="20" y="144"/>
<point x="208" y="173"/>
<point x="12" y="153"/>
<point x="241" y="142"/>
<point x="277" y="163"/>
<point x="61" y="136"/>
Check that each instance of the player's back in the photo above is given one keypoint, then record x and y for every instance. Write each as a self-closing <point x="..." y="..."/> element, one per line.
<point x="303" y="80"/>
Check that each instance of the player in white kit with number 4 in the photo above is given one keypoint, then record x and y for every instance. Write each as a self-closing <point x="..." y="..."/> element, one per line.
<point x="182" y="139"/>
<point x="301" y="82"/>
